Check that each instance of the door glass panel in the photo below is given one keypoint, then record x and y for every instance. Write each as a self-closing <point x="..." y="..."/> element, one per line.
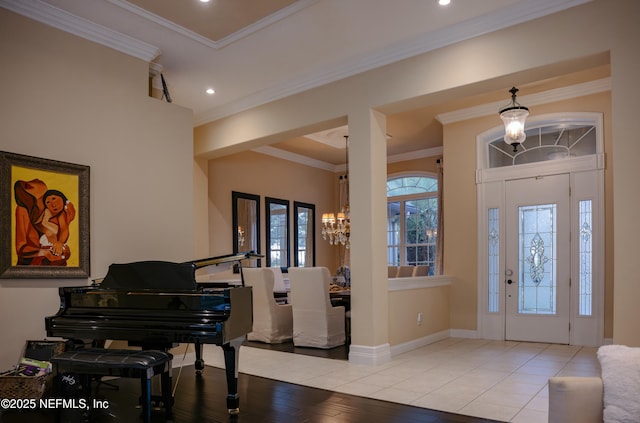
<point x="537" y="259"/>
<point x="586" y="259"/>
<point x="493" y="248"/>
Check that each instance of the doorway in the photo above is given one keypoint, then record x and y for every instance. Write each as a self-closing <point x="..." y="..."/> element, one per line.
<point x="538" y="259"/>
<point x="541" y="232"/>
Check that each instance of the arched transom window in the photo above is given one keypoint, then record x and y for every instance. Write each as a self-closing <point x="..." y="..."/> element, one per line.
<point x="544" y="143"/>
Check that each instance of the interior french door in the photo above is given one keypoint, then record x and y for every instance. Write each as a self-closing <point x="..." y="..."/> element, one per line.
<point x="538" y="255"/>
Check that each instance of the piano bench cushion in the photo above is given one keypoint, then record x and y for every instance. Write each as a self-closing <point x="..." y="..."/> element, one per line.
<point x="96" y="360"/>
<point x="143" y="364"/>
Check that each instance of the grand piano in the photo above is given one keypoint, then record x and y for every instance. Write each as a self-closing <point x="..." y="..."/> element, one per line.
<point x="157" y="305"/>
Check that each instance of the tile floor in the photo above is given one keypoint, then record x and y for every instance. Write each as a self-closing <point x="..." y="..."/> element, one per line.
<point x="504" y="381"/>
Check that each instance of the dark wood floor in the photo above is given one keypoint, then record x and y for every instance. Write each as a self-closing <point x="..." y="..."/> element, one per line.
<point x="201" y="399"/>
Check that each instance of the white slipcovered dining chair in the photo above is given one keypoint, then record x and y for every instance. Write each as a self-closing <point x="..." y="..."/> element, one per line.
<point x="405" y="271"/>
<point x="392" y="271"/>
<point x="279" y="288"/>
<point x="272" y="322"/>
<point x="421" y="270"/>
<point x="316" y="323"/>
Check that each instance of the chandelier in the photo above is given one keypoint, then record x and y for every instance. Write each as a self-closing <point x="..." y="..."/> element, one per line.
<point x="513" y="116"/>
<point x="336" y="228"/>
<point x="240" y="236"/>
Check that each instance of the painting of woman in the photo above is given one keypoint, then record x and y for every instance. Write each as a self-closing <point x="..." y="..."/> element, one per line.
<point x="42" y="224"/>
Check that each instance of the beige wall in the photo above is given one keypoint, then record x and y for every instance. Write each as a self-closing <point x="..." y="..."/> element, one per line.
<point x="425" y="164"/>
<point x="72" y="100"/>
<point x="625" y="65"/>
<point x="404" y="306"/>
<point x="553" y="45"/>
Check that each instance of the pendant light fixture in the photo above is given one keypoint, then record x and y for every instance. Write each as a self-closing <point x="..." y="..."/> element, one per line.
<point x="336" y="228"/>
<point x="513" y="116"/>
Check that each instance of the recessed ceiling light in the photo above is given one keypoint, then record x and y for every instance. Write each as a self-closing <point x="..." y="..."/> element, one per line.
<point x="210" y="90"/>
<point x="444" y="2"/>
<point x="204" y="1"/>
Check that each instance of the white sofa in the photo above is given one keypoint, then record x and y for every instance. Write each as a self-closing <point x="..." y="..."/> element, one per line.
<point x="612" y="398"/>
<point x="575" y="400"/>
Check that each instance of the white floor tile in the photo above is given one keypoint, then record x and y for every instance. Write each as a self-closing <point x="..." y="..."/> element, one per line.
<point x="531" y="416"/>
<point x="498" y="380"/>
<point x="478" y="408"/>
<point x="443" y="402"/>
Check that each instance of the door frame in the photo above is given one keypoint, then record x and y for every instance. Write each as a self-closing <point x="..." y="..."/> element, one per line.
<point x="586" y="176"/>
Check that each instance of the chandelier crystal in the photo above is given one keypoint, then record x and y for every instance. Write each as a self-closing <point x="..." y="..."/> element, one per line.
<point x="336" y="227"/>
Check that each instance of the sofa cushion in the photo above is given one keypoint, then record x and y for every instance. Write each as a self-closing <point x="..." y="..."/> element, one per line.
<point x="621" y="379"/>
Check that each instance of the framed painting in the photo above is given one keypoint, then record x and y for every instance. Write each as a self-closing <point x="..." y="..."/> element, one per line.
<point x="44" y="223"/>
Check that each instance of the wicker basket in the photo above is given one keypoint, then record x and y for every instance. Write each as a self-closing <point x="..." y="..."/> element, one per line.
<point x="24" y="387"/>
<point x="16" y="386"/>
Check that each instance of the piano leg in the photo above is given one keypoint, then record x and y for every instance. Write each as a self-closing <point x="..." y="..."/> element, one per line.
<point x="199" y="364"/>
<point x="231" y="355"/>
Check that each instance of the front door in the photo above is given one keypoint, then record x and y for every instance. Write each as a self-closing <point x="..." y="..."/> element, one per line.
<point x="538" y="256"/>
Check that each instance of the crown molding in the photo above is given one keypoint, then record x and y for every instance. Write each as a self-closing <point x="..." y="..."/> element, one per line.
<point x="223" y="42"/>
<point x="83" y="28"/>
<point x="319" y="164"/>
<point x="558" y="94"/>
<point x="506" y="17"/>
<point x="296" y="158"/>
<point x="413" y="155"/>
<point x="155" y="69"/>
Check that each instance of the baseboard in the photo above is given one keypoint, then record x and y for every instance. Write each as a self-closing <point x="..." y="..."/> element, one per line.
<point x="420" y="342"/>
<point x="371" y="356"/>
<point x="463" y="333"/>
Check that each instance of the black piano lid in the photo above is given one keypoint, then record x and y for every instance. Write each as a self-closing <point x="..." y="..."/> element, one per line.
<point x="164" y="275"/>
<point x="156" y="275"/>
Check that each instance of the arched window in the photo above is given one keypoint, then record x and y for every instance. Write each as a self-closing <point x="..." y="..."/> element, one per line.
<point x="412" y="220"/>
<point x="544" y="143"/>
<point x="550" y="138"/>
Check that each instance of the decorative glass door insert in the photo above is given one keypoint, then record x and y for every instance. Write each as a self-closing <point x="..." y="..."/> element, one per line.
<point x="537" y="259"/>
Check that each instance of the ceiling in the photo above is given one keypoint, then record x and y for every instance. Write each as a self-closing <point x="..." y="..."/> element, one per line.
<point x="255" y="51"/>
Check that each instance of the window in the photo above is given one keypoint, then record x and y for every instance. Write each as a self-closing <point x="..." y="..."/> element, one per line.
<point x="548" y="142"/>
<point x="412" y="221"/>
<point x="277" y="232"/>
<point x="304" y="235"/>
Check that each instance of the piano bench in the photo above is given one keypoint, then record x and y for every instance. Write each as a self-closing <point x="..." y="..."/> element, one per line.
<point x="121" y="363"/>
